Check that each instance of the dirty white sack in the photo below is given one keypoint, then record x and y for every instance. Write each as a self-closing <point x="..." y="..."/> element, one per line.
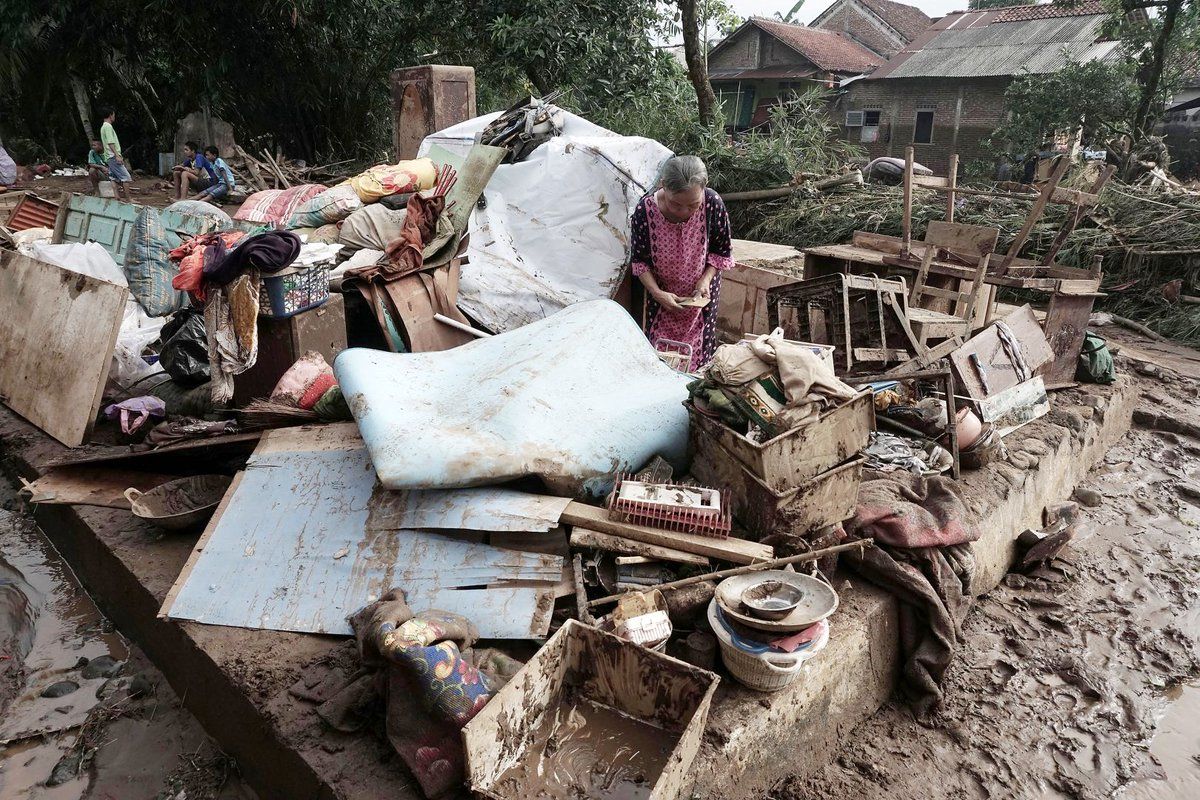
<point x="553" y="229"/>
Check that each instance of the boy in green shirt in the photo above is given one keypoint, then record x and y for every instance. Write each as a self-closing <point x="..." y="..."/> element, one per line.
<point x="97" y="167"/>
<point x="117" y="171"/>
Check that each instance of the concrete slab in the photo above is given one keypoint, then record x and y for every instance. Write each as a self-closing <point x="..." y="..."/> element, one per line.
<point x="236" y="681"/>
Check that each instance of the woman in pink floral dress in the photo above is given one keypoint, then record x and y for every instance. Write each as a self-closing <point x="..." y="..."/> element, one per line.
<point x="680" y="244"/>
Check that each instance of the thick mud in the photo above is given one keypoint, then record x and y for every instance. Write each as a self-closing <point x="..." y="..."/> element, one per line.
<point x="83" y="714"/>
<point x="1079" y="681"/>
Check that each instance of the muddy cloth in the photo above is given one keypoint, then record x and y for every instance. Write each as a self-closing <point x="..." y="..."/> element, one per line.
<point x="266" y="253"/>
<point x="135" y="411"/>
<point x="183" y="429"/>
<point x="423" y="232"/>
<point x="432" y="682"/>
<point x="195" y="257"/>
<point x="921" y="528"/>
<point x="231" y="323"/>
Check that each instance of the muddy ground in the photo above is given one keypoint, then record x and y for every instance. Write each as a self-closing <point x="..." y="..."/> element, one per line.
<point x="85" y="716"/>
<point x="1081" y="680"/>
<point x="145" y="190"/>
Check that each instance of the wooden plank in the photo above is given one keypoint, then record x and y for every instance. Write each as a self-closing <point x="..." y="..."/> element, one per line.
<point x="57" y="333"/>
<point x="91" y="486"/>
<point x="739" y="551"/>
<point x="931" y="181"/>
<point x="906" y="219"/>
<point x="583" y="537"/>
<point x="1011" y="402"/>
<point x="959" y="238"/>
<point x="1065" y="325"/>
<point x="951" y="186"/>
<point x="1035" y="213"/>
<point x="109" y="455"/>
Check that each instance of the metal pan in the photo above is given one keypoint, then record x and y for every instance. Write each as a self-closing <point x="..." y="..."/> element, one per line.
<point x="181" y="503"/>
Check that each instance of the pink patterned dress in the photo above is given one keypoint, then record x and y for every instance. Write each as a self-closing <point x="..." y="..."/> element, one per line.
<point x="677" y="253"/>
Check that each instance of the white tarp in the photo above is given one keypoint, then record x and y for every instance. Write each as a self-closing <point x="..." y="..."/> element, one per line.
<point x="555" y="227"/>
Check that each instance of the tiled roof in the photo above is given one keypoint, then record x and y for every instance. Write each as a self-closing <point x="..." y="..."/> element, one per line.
<point x="1048" y="11"/>
<point x="829" y="50"/>
<point x="908" y="21"/>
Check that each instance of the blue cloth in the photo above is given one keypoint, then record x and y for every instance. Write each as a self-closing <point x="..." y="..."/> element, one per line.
<point x="217" y="192"/>
<point x="118" y="171"/>
<point x="224" y="173"/>
<point x="199" y="162"/>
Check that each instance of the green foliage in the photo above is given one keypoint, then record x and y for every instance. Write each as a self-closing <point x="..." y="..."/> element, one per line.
<point x="1097" y="95"/>
<point x="800" y="136"/>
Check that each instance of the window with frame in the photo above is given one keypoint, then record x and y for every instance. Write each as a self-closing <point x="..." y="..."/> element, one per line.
<point x="923" y="126"/>
<point x="870" y="127"/>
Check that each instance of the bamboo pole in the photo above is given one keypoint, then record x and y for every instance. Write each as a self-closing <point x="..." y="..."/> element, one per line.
<point x="729" y="573"/>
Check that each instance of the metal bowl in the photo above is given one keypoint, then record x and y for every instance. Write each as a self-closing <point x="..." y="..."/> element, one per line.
<point x="771" y="599"/>
<point x="180" y="503"/>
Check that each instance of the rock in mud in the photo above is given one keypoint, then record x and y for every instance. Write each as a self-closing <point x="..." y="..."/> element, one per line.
<point x="101" y="667"/>
<point x="1189" y="489"/>
<point x="65" y="770"/>
<point x="60" y="689"/>
<point x="1088" y="497"/>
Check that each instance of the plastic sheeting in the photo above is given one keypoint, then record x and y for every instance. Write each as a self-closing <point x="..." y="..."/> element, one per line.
<point x="554" y="229"/>
<point x="576" y="396"/>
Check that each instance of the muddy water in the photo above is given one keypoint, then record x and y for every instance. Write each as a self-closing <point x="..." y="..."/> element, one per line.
<point x="589" y="750"/>
<point x="78" y="702"/>
<point x="1176" y="749"/>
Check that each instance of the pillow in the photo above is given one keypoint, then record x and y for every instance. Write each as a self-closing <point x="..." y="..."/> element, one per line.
<point x="407" y="176"/>
<point x="331" y="205"/>
<point x="276" y="206"/>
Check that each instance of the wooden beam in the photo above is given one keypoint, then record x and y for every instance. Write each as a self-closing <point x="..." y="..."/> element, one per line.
<point x="952" y="184"/>
<point x="1035" y="213"/>
<point x="739" y="551"/>
<point x="906" y="220"/>
<point x="582" y="537"/>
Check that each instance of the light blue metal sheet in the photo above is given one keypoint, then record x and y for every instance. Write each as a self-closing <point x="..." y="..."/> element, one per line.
<point x="289" y="550"/>
<point x="485" y="508"/>
<point x="569" y="398"/>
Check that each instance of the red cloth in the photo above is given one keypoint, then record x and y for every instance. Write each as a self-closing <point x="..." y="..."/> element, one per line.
<point x="190" y="256"/>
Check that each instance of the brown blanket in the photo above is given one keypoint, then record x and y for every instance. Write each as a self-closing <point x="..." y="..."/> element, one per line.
<point x="922" y="529"/>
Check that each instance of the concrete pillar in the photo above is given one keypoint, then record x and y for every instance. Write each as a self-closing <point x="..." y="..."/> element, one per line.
<point x="427" y="99"/>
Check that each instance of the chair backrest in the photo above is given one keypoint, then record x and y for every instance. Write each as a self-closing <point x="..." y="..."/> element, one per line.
<point x="975" y="242"/>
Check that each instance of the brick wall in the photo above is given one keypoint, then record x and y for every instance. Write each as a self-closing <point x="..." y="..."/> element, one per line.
<point x="850" y="20"/>
<point x="965" y="114"/>
<point x="741" y="53"/>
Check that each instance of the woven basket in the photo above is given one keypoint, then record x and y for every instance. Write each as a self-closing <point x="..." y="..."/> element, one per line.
<point x="766" y="672"/>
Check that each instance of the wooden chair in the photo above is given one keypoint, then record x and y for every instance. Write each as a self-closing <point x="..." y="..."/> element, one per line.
<point x="968" y="242"/>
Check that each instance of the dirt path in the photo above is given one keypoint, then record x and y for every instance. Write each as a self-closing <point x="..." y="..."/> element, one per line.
<point x="1061" y="688"/>
<point x="84" y="715"/>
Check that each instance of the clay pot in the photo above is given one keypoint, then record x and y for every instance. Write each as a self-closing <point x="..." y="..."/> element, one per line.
<point x="969" y="427"/>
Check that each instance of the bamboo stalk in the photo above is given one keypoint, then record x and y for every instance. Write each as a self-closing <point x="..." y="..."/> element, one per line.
<point x="729" y="573"/>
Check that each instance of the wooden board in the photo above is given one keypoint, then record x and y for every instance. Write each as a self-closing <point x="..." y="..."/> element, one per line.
<point x="90" y="486"/>
<point x="739" y="551"/>
<point x="959" y="238"/>
<point x="742" y="307"/>
<point x="109" y="455"/>
<point x="1001" y="373"/>
<point x="1066" y="323"/>
<point x="582" y="537"/>
<point x="57" y="333"/>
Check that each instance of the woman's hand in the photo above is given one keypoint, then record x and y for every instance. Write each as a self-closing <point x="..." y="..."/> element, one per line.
<point x="667" y="300"/>
<point x="704" y="285"/>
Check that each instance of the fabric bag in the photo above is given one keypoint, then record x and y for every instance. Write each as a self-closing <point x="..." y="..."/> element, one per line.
<point x="407" y="176"/>
<point x="276" y="206"/>
<point x="331" y="205"/>
<point x="1095" y="361"/>
<point x="148" y="267"/>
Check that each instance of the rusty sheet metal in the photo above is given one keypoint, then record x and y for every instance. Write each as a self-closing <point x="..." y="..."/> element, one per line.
<point x="487" y="508"/>
<point x="289" y="550"/>
<point x="32" y="211"/>
<point x="574" y="397"/>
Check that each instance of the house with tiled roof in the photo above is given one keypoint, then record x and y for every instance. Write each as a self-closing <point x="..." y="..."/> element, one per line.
<point x="765" y="60"/>
<point x="882" y="26"/>
<point x="943" y="92"/>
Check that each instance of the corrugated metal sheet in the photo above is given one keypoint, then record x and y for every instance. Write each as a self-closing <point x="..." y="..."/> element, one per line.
<point x="1011" y="48"/>
<point x="975" y="44"/>
<point x="32" y="212"/>
<point x="290" y="551"/>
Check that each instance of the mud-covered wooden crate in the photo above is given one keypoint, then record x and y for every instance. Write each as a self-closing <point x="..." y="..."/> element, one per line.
<point x="507" y="742"/>
<point x="826" y="499"/>
<point x="791" y="458"/>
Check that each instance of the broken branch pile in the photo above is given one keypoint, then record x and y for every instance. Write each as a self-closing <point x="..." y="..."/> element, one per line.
<point x="1147" y="237"/>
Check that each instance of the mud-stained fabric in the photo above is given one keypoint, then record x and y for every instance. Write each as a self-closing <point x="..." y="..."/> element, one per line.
<point x="922" y="529"/>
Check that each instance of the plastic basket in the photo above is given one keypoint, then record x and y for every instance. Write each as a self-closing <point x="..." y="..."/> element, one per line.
<point x="287" y="294"/>
<point x="755" y="665"/>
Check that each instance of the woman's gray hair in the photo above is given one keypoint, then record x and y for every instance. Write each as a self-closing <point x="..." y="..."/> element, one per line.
<point x="683" y="172"/>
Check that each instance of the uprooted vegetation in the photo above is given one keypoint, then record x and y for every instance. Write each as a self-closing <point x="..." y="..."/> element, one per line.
<point x="1146" y="238"/>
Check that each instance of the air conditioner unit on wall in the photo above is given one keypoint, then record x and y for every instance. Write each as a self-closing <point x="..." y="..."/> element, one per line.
<point x="854" y="119"/>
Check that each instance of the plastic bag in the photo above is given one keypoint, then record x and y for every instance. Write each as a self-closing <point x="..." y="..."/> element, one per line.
<point x="185" y="348"/>
<point x="128" y="368"/>
<point x="1095" y="361"/>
